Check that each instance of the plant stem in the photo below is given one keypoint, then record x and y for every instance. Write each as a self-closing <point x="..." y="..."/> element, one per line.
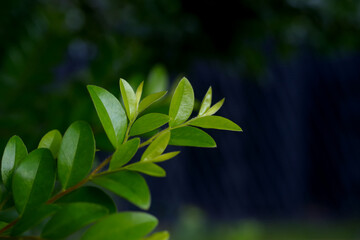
<point x="9" y="226"/>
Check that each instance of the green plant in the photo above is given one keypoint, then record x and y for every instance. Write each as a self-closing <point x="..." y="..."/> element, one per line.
<point x="49" y="186"/>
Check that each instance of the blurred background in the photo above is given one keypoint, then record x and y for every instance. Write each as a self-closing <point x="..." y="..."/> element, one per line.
<point x="290" y="72"/>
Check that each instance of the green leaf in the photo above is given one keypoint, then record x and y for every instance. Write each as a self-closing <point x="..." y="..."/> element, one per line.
<point x="157" y="80"/>
<point x="71" y="218"/>
<point x="206" y="102"/>
<point x="150" y="169"/>
<point x="89" y="194"/>
<point x="191" y="137"/>
<point x="33" y="217"/>
<point x="111" y="114"/>
<point x="129" y="98"/>
<point x="124" y="153"/>
<point x="129" y="226"/>
<point x="138" y="94"/>
<point x="215" y="122"/>
<point x="157" y="147"/>
<point x="127" y="184"/>
<point x="182" y="103"/>
<point x="148" y="122"/>
<point x="152" y="98"/>
<point x="52" y="141"/>
<point x="164" y="235"/>
<point x="14" y="153"/>
<point x="165" y="156"/>
<point x="34" y="180"/>
<point x="215" y="108"/>
<point x="76" y="155"/>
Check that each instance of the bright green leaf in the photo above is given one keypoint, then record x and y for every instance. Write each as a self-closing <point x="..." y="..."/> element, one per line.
<point x="124" y="153"/>
<point x="14" y="153"/>
<point x="191" y="137"/>
<point x="215" y="108"/>
<point x="89" y="194"/>
<point x="165" y="156"/>
<point x="111" y="114"/>
<point x="52" y="141"/>
<point x="152" y="98"/>
<point x="150" y="169"/>
<point x="164" y="235"/>
<point x="148" y="122"/>
<point x="33" y="180"/>
<point x="182" y="103"/>
<point x="157" y="80"/>
<point x="71" y="218"/>
<point x="33" y="217"/>
<point x="129" y="98"/>
<point x="127" y="184"/>
<point x="157" y="147"/>
<point x="215" y="122"/>
<point x="206" y="102"/>
<point x="76" y="155"/>
<point x="125" y="225"/>
<point x="138" y="94"/>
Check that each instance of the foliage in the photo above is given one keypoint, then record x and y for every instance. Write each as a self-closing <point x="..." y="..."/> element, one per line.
<point x="49" y="187"/>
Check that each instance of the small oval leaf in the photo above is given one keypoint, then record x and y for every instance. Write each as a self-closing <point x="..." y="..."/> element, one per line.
<point x="124" y="153"/>
<point x="157" y="147"/>
<point x="52" y="141"/>
<point x="129" y="98"/>
<point x="215" y="122"/>
<point x="150" y="169"/>
<point x="129" y="226"/>
<point x="71" y="218"/>
<point x="191" y="137"/>
<point x="165" y="156"/>
<point x="76" y="155"/>
<point x="215" y="108"/>
<point x="138" y="93"/>
<point x="148" y="122"/>
<point x="111" y="114"/>
<point x="152" y="98"/>
<point x="14" y="153"/>
<point x="127" y="184"/>
<point x="34" y="180"/>
<point x="182" y="103"/>
<point x="206" y="102"/>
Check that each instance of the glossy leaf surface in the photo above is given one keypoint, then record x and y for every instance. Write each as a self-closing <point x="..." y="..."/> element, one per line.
<point x="206" y="102"/>
<point x="33" y="180"/>
<point x="129" y="98"/>
<point x="150" y="169"/>
<point x="111" y="114"/>
<point x="71" y="218"/>
<point x="215" y="122"/>
<point x="127" y="184"/>
<point x="157" y="147"/>
<point x="14" y="153"/>
<point x="148" y="122"/>
<point x="76" y="155"/>
<point x="164" y="235"/>
<point x="124" y="153"/>
<point x="191" y="137"/>
<point x="51" y="141"/>
<point x="182" y="103"/>
<point x="89" y="194"/>
<point x="152" y="98"/>
<point x="129" y="226"/>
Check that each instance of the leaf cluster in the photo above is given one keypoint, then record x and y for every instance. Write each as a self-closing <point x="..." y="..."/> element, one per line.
<point x="49" y="188"/>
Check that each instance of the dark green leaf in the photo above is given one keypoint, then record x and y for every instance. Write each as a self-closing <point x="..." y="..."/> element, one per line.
<point x="52" y="141"/>
<point x="71" y="218"/>
<point x="89" y="194"/>
<point x="34" y="180"/>
<point x="164" y="235"/>
<point x="111" y="114"/>
<point x="157" y="147"/>
<point x="129" y="98"/>
<point x="33" y="217"/>
<point x="147" y="101"/>
<point x="150" y="169"/>
<point x="128" y="185"/>
<point x="165" y="156"/>
<point x="215" y="108"/>
<point x="157" y="80"/>
<point x="215" y="122"/>
<point x="125" y="225"/>
<point x="191" y="137"/>
<point x="182" y="103"/>
<point x="206" y="102"/>
<point x="76" y="154"/>
<point x="124" y="153"/>
<point x="148" y="123"/>
<point x="15" y="152"/>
